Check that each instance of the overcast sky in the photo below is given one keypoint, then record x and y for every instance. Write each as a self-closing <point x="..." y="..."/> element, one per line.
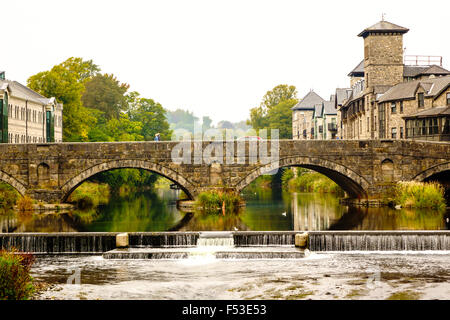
<point x="215" y="58"/>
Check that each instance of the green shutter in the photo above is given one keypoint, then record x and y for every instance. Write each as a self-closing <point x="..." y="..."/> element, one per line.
<point x="50" y="126"/>
<point x="4" y="119"/>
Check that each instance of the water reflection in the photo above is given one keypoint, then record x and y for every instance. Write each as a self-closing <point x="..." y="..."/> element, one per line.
<point x="266" y="210"/>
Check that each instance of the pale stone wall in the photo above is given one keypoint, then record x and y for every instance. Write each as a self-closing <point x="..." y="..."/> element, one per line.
<point x="29" y="127"/>
<point x="441" y="100"/>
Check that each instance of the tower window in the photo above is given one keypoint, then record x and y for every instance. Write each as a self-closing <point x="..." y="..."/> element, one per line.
<point x="421" y="100"/>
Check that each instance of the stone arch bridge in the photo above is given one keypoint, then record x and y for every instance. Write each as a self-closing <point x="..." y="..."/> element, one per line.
<point x="50" y="172"/>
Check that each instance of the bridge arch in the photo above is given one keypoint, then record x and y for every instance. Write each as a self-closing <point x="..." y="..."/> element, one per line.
<point x="13" y="183"/>
<point x="75" y="181"/>
<point x="432" y="171"/>
<point x="351" y="182"/>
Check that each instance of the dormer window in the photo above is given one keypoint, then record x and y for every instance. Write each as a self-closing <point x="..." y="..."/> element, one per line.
<point x="420" y="98"/>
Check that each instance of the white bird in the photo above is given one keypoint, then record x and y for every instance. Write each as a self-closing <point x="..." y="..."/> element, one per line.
<point x="235" y="229"/>
<point x="284" y="214"/>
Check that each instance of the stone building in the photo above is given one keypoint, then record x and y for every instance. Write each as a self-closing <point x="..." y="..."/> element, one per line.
<point x="387" y="96"/>
<point x="26" y="116"/>
<point x="314" y="118"/>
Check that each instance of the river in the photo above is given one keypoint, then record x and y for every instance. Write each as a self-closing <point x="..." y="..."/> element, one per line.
<point x="265" y="210"/>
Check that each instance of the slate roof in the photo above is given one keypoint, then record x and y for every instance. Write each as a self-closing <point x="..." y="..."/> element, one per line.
<point x="407" y="90"/>
<point x="358" y="71"/>
<point x="383" y="27"/>
<point x="20" y="91"/>
<point x="341" y="95"/>
<point x="414" y="71"/>
<point x="436" y="111"/>
<point x="408" y="71"/>
<point x="328" y="108"/>
<point x="308" y="101"/>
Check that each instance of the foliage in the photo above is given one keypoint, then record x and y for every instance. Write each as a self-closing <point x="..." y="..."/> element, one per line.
<point x="275" y="111"/>
<point x="25" y="204"/>
<point x="105" y="93"/>
<point x="8" y="196"/>
<point x="16" y="282"/>
<point x="150" y="115"/>
<point x="115" y="179"/>
<point x="309" y="181"/>
<point x="182" y="119"/>
<point x="413" y="194"/>
<point x="214" y="201"/>
<point x="65" y="82"/>
<point x="89" y="195"/>
<point x="287" y="175"/>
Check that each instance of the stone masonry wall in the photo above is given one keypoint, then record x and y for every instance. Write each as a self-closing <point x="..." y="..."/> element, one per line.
<point x="355" y="165"/>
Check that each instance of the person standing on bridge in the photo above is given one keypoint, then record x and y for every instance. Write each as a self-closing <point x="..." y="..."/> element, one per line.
<point x="157" y="137"/>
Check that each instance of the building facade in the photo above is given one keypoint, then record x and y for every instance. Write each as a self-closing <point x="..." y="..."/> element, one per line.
<point x="391" y="100"/>
<point x="314" y="118"/>
<point x="26" y="116"/>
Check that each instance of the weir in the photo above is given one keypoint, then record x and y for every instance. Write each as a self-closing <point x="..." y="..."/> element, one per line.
<point x="241" y="243"/>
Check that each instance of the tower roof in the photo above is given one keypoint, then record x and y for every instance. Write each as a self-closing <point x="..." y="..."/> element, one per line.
<point x="383" y="27"/>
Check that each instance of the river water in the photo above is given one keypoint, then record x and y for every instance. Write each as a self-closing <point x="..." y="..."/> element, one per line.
<point x="369" y="275"/>
<point x="328" y="275"/>
<point x="266" y="210"/>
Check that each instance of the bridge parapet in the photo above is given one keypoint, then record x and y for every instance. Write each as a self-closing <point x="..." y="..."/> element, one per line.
<point x="50" y="172"/>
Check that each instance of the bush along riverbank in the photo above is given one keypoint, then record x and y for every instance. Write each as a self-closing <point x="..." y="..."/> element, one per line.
<point x="219" y="202"/>
<point x="8" y="196"/>
<point x="309" y="181"/>
<point x="16" y="282"/>
<point x="421" y="195"/>
<point x="89" y="195"/>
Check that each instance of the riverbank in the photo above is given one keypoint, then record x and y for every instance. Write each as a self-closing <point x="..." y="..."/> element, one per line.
<point x="304" y="180"/>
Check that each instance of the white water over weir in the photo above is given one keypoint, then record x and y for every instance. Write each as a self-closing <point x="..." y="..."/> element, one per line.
<point x="216" y="239"/>
<point x="227" y="244"/>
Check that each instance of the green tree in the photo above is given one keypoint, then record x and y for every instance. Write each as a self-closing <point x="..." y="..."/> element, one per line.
<point x="182" y="119"/>
<point x="206" y="123"/>
<point x="65" y="82"/>
<point x="275" y="111"/>
<point x="105" y="93"/>
<point x="151" y="115"/>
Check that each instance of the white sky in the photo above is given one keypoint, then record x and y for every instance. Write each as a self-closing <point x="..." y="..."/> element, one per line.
<point x="215" y="58"/>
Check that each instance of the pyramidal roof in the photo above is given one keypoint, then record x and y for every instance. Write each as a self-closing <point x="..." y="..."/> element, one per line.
<point x="308" y="101"/>
<point x="382" y="27"/>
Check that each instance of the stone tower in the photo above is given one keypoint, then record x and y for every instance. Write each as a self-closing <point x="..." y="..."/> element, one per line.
<point x="383" y="54"/>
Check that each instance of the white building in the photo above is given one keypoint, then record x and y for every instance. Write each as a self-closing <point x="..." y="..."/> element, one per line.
<point x="26" y="116"/>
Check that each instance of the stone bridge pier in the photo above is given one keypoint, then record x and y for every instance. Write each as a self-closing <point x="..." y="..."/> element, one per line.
<point x="364" y="169"/>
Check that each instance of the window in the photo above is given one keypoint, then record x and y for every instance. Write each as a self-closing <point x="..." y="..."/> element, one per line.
<point x="401" y="132"/>
<point x="382" y="120"/>
<point x="433" y="126"/>
<point x="368" y="124"/>
<point x="420" y="99"/>
<point x="360" y="126"/>
<point x="375" y="123"/>
<point x="393" y="107"/>
<point x="448" y="98"/>
<point x="394" y="133"/>
<point x="401" y="106"/>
